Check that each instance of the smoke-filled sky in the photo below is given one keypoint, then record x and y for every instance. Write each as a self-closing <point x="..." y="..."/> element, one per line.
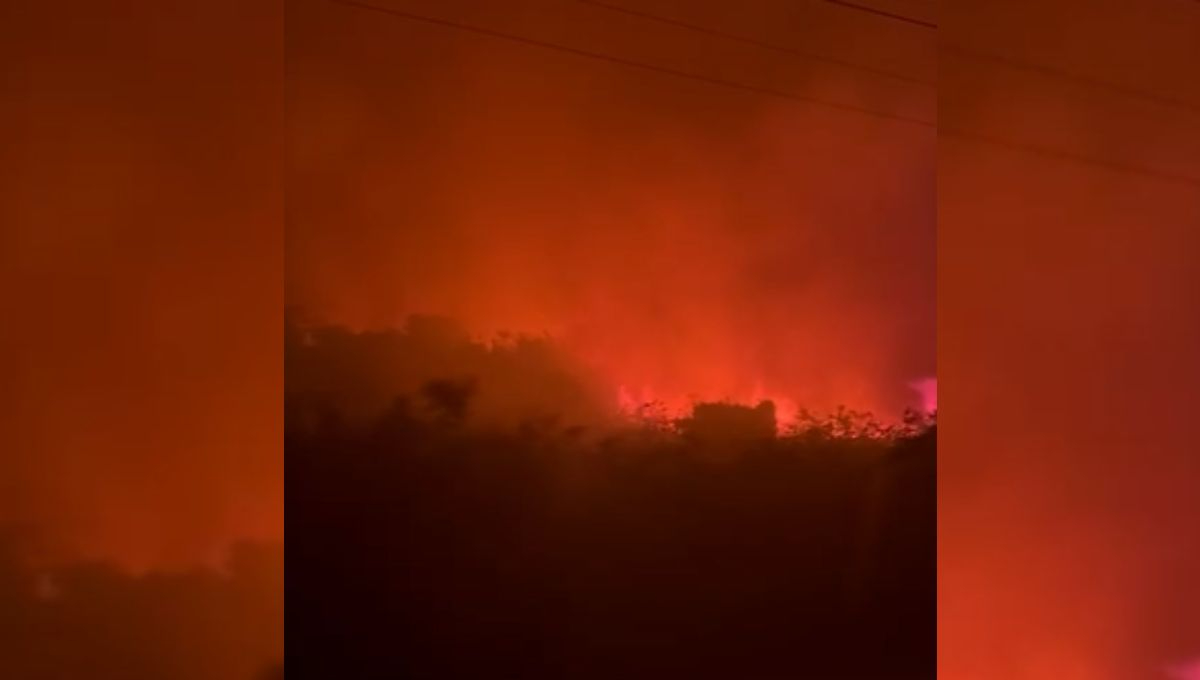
<point x="685" y="239"/>
<point x="682" y="236"/>
<point x="140" y="278"/>
<point x="1068" y="341"/>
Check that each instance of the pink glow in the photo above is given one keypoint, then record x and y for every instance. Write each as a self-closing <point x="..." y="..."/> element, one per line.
<point x="927" y="388"/>
<point x="649" y="402"/>
<point x="1186" y="671"/>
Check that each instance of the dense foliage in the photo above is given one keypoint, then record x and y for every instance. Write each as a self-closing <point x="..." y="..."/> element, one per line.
<point x="425" y="544"/>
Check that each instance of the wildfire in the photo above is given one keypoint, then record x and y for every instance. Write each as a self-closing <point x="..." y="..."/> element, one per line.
<point x="647" y="403"/>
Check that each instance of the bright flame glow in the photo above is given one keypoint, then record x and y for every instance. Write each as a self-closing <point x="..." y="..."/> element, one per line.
<point x="645" y="401"/>
<point x="927" y="388"/>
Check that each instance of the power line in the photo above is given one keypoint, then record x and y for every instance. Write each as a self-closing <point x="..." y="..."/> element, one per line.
<point x="1050" y="71"/>
<point x="756" y="43"/>
<point x="882" y="13"/>
<point x="1059" y="154"/>
<point x="949" y="47"/>
<point x="975" y="136"/>
<point x="600" y="56"/>
<point x="1030" y="66"/>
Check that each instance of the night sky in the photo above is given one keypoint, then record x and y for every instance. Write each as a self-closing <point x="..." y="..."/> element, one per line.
<point x="687" y="239"/>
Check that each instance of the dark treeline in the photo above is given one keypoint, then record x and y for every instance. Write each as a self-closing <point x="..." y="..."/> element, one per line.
<point x="427" y="543"/>
<point x="94" y="621"/>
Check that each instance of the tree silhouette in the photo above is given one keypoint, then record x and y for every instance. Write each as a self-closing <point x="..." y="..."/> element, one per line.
<point x="435" y="545"/>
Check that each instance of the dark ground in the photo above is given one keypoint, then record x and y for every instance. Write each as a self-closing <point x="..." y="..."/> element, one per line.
<point x="421" y="546"/>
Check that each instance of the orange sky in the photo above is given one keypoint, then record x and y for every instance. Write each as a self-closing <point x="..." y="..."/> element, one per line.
<point x="1068" y="341"/>
<point x="140" y="278"/>
<point x="686" y="239"/>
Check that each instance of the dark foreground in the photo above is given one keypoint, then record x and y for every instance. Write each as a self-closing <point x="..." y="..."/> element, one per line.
<point x="421" y="548"/>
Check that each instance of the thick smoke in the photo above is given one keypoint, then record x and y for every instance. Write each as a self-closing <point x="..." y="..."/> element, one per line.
<point x="682" y="240"/>
<point x="1067" y="500"/>
<point x="140" y="378"/>
<point x="140" y="279"/>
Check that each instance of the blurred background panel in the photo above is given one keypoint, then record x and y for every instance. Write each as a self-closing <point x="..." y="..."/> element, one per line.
<point x="1068" y="215"/>
<point x="140" y="373"/>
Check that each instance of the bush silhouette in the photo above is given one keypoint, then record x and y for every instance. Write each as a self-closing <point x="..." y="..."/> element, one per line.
<point x="442" y="547"/>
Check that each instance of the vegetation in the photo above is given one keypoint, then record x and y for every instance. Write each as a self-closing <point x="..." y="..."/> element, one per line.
<point x="427" y="543"/>
<point x="94" y="621"/>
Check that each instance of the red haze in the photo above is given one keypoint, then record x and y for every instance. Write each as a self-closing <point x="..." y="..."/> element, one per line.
<point x="1067" y="497"/>
<point x="686" y="240"/>
<point x="140" y="273"/>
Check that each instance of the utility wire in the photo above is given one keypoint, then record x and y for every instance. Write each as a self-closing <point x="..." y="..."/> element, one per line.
<point x="1028" y="66"/>
<point x="1009" y="62"/>
<point x="881" y="13"/>
<point x="757" y="43"/>
<point x="1052" y="72"/>
<point x="1017" y="64"/>
<point x="973" y="136"/>
<point x="1059" y="154"/>
<point x="600" y="56"/>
